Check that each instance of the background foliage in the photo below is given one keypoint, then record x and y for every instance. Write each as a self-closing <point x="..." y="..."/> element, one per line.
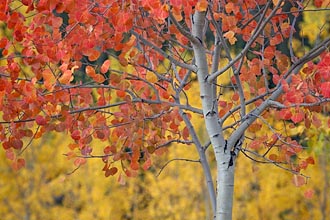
<point x="51" y="188"/>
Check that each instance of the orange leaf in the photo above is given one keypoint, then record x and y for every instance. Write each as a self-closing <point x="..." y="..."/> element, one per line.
<point x="269" y="52"/>
<point x="275" y="2"/>
<point x="229" y="7"/>
<point x="255" y="127"/>
<point x="273" y="157"/>
<point x="202" y="5"/>
<point x="135" y="165"/>
<point x="73" y="146"/>
<point x="121" y="93"/>
<point x="90" y="71"/>
<point x="230" y="35"/>
<point x="105" y="66"/>
<point x="66" y="77"/>
<point x="94" y="55"/>
<point x="49" y="79"/>
<point x="276" y="39"/>
<point x="310" y="160"/>
<point x="98" y="78"/>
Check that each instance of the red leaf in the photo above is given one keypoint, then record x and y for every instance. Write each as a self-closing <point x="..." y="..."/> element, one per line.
<point x="185" y="133"/>
<point x="10" y="154"/>
<point x="255" y="144"/>
<point x="309" y="193"/>
<point x="40" y="120"/>
<point x="110" y="172"/>
<point x="325" y="89"/>
<point x="135" y="165"/>
<point x="303" y="165"/>
<point x="100" y="134"/>
<point x="318" y="3"/>
<point x="285" y="114"/>
<point x="310" y="160"/>
<point x="21" y="162"/>
<point x="316" y="121"/>
<point x="298" y="180"/>
<point x="16" y="143"/>
<point x="294" y="96"/>
<point x="121" y="93"/>
<point x="276" y="39"/>
<point x="285" y="85"/>
<point x="3" y="42"/>
<point x="70" y="155"/>
<point x="79" y="161"/>
<point x="18" y="164"/>
<point x="75" y="135"/>
<point x="235" y="97"/>
<point x="298" y="117"/>
<point x="269" y="52"/>
<point x="147" y="164"/>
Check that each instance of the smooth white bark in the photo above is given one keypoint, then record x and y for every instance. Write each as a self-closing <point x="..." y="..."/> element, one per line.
<point x="225" y="173"/>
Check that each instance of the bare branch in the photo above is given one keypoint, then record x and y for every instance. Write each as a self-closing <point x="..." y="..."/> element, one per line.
<point x="260" y="28"/>
<point x="163" y="53"/>
<point x="182" y="30"/>
<point x="269" y="161"/>
<point x="175" y="159"/>
<point x="295" y="68"/>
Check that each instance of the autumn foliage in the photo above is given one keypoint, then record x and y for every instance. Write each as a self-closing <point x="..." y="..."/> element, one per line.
<point x="124" y="73"/>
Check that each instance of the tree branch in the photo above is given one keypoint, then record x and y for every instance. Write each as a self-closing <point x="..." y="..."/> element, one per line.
<point x="163" y="53"/>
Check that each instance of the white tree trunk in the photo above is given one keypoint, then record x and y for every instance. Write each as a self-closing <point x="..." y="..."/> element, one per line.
<point x="225" y="172"/>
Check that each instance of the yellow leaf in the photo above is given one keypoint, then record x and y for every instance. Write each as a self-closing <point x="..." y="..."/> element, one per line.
<point x="230" y="35"/>
<point x="151" y="77"/>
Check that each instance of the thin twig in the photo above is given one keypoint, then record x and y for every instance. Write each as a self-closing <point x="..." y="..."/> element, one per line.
<point x="175" y="159"/>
